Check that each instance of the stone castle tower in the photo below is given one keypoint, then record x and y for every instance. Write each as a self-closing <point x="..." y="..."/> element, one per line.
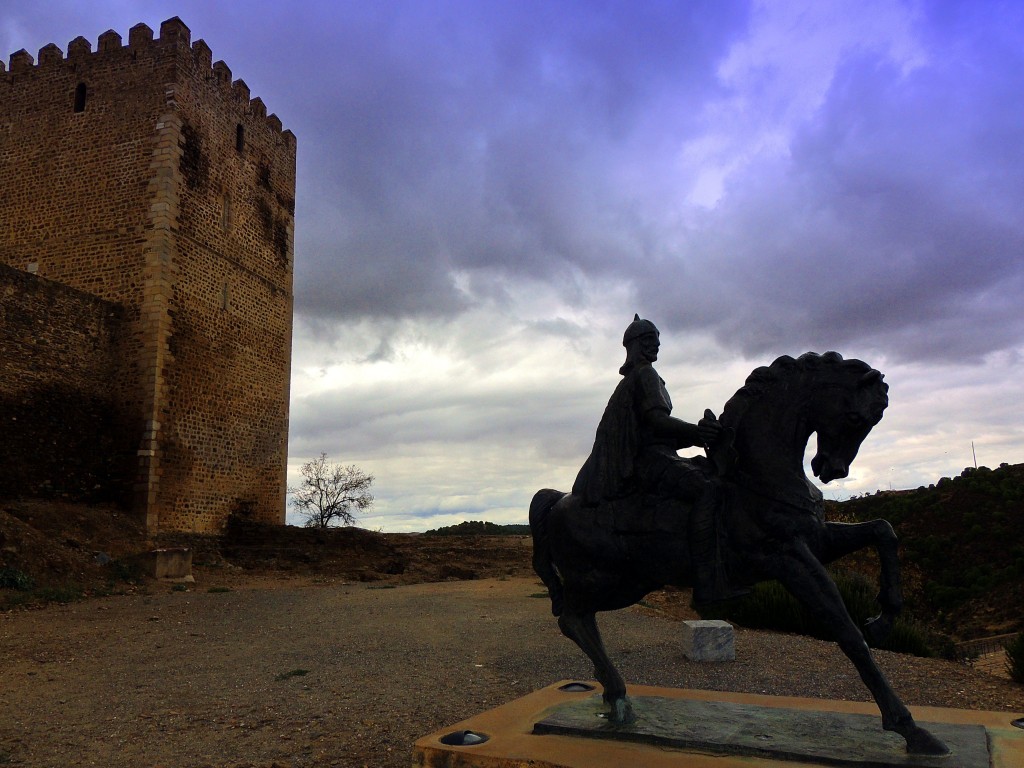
<point x="146" y="235"/>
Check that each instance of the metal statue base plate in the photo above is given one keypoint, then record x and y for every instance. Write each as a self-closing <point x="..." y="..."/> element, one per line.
<point x="724" y="728"/>
<point x="710" y="729"/>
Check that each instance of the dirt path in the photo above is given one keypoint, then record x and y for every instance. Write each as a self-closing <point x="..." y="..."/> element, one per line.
<point x="350" y="675"/>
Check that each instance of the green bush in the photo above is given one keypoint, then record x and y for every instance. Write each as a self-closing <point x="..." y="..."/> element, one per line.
<point x="770" y="606"/>
<point x="12" y="578"/>
<point x="1015" y="658"/>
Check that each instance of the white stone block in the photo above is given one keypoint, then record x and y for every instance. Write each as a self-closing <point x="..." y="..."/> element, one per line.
<point x="709" y="641"/>
<point x="172" y="563"/>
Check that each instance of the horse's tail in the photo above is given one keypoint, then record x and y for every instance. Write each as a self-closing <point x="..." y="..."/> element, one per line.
<point x="540" y="508"/>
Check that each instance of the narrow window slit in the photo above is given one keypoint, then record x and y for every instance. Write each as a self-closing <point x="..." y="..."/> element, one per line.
<point x="225" y="212"/>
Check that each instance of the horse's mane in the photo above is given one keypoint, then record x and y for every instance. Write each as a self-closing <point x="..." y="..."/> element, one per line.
<point x="833" y="367"/>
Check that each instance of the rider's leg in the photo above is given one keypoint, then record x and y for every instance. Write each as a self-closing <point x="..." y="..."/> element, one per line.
<point x="710" y="583"/>
<point x="684" y="481"/>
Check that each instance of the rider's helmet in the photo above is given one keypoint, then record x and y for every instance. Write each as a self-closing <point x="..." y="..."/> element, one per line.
<point x="637" y="329"/>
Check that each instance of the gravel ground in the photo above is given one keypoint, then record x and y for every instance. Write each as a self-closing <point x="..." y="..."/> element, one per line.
<point x="303" y="674"/>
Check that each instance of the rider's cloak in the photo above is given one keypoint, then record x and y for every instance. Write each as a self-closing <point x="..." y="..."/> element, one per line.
<point x="611" y="471"/>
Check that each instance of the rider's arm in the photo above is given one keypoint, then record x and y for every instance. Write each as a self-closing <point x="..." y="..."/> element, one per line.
<point x="661" y="424"/>
<point x="656" y="409"/>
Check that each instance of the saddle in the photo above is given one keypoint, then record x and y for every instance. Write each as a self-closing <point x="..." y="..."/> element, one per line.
<point x="643" y="513"/>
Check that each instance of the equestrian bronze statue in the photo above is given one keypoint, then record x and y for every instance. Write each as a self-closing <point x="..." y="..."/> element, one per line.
<point x="640" y="517"/>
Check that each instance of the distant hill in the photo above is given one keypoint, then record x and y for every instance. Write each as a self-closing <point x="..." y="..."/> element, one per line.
<point x="480" y="528"/>
<point x="962" y="548"/>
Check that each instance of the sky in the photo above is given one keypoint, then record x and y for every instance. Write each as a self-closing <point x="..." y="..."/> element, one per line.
<point x="489" y="190"/>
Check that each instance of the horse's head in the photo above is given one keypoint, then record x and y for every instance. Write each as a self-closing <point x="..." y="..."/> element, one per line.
<point x="848" y="397"/>
<point x="780" y="405"/>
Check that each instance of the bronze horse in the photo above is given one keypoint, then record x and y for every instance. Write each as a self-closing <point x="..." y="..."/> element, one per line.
<point x="772" y="524"/>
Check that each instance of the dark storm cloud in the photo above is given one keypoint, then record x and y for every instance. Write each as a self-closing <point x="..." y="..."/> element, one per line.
<point x="490" y="143"/>
<point x="448" y="149"/>
<point x="897" y="221"/>
<point x="469" y="137"/>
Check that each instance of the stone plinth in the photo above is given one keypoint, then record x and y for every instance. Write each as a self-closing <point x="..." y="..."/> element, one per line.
<point x="709" y="641"/>
<point x="698" y="728"/>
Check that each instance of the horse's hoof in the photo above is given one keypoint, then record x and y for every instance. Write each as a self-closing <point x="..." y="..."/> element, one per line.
<point x="920" y="742"/>
<point x="621" y="712"/>
<point x="876" y="630"/>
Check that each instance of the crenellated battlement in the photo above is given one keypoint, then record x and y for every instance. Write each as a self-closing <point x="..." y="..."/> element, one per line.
<point x="175" y="37"/>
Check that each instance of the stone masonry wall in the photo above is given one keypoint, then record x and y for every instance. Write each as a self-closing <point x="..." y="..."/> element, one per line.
<point x="61" y="430"/>
<point x="232" y="305"/>
<point x="74" y="208"/>
<point x="145" y="176"/>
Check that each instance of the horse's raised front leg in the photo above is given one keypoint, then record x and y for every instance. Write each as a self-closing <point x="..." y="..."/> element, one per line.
<point x="582" y="629"/>
<point x="809" y="582"/>
<point x="845" y="538"/>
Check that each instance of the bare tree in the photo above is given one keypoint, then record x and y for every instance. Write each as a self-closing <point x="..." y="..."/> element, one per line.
<point x="331" y="492"/>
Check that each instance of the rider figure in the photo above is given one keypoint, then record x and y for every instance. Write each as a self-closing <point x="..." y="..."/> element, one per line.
<point x="635" y="453"/>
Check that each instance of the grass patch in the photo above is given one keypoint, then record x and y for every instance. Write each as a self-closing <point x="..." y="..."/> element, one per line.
<point x="217" y="590"/>
<point x="292" y="673"/>
<point x="381" y="586"/>
<point x="68" y="593"/>
<point x="179" y="588"/>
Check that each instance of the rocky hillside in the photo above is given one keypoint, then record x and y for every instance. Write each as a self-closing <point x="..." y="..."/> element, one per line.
<point x="962" y="548"/>
<point x="55" y="550"/>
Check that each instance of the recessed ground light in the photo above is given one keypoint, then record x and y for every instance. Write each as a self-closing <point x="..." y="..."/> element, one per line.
<point x="464" y="738"/>
<point x="1018" y="723"/>
<point x="576" y="687"/>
